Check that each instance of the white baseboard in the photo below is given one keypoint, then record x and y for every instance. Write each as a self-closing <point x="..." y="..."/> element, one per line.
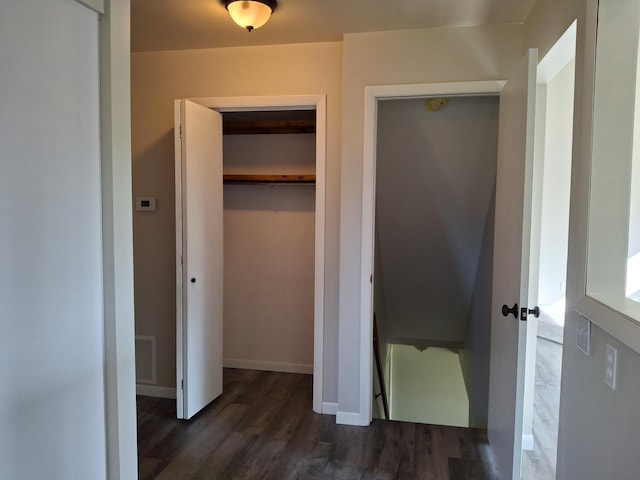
<point x="528" y="442"/>
<point x="155" y="391"/>
<point x="350" y="418"/>
<point x="329" y="408"/>
<point x="268" y="366"/>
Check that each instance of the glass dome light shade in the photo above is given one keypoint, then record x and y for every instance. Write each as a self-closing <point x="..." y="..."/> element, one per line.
<point x="249" y="14"/>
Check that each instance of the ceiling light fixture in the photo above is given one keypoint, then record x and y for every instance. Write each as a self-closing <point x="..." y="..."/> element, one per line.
<point x="250" y="14"/>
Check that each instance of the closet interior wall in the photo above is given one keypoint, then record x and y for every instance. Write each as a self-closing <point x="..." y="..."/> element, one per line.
<point x="269" y="246"/>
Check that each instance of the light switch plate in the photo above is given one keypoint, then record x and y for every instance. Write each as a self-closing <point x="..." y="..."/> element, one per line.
<point x="584" y="334"/>
<point x="611" y="366"/>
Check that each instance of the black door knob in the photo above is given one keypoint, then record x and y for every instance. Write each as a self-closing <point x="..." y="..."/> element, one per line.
<point x="193" y="279"/>
<point x="513" y="310"/>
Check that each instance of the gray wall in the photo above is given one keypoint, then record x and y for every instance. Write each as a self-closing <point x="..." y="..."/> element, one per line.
<point x="52" y="401"/>
<point x="435" y="178"/>
<point x="599" y="428"/>
<point x="474" y="356"/>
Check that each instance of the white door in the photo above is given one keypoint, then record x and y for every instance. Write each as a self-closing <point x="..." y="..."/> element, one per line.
<point x="511" y="265"/>
<point x="198" y="143"/>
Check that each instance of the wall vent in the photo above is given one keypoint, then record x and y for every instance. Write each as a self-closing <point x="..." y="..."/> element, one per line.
<point x="146" y="359"/>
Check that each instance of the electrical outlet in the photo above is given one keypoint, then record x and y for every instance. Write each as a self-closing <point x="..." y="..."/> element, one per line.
<point x="611" y="366"/>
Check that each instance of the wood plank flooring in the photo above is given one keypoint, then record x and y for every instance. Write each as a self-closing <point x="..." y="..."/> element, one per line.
<point x="263" y="427"/>
<point x="540" y="463"/>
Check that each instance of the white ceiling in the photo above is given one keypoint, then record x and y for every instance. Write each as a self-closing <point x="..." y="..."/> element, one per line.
<point x="186" y="24"/>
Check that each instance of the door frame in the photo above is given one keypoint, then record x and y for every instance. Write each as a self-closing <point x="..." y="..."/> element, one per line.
<point x="299" y="102"/>
<point x="117" y="237"/>
<point x="557" y="58"/>
<point x="372" y="95"/>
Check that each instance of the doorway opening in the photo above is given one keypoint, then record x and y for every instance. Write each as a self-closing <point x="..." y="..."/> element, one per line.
<point x="429" y="219"/>
<point x="435" y="181"/>
<point x="269" y="169"/>
<point x="308" y="106"/>
<point x="548" y="262"/>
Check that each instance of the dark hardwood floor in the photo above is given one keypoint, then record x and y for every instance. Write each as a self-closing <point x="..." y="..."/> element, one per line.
<point x="263" y="427"/>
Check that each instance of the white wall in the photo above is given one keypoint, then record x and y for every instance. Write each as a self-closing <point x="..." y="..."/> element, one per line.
<point x="269" y="255"/>
<point x="554" y="227"/>
<point x="400" y="57"/>
<point x="117" y="235"/>
<point x="632" y="286"/>
<point x="160" y="77"/>
<point x="634" y="214"/>
<point x="52" y="407"/>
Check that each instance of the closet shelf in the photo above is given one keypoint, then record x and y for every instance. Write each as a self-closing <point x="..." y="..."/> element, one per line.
<point x="270" y="179"/>
<point x="268" y="127"/>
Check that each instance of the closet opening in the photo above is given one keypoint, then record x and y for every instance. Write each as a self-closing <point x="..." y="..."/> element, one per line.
<point x="267" y="157"/>
<point x="269" y="210"/>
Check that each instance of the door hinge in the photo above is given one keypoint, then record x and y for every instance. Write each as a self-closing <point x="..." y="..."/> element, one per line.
<point x="182" y="384"/>
<point x="181" y="259"/>
<point x="180" y="132"/>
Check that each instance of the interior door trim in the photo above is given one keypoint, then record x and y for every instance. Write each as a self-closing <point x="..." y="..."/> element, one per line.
<point x="372" y="95"/>
<point x="317" y="102"/>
